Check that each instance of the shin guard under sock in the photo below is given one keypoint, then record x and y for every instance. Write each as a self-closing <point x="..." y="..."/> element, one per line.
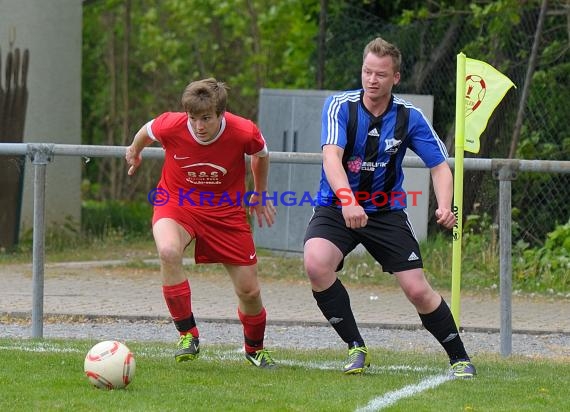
<point x="178" y="300"/>
<point x="253" y="330"/>
<point x="441" y="325"/>
<point x="334" y="303"/>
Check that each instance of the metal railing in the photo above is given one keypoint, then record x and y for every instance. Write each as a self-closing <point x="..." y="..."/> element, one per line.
<point x="504" y="170"/>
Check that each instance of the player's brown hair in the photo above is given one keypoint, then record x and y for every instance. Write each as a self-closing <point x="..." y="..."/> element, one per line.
<point x="202" y="96"/>
<point x="381" y="48"/>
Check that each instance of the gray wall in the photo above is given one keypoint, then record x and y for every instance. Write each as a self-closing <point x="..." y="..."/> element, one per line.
<point x="52" y="32"/>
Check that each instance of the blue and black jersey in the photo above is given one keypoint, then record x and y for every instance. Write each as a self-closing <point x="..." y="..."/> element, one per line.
<point x="374" y="148"/>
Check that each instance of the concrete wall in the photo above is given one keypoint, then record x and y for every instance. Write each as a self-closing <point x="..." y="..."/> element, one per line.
<point x="52" y="32"/>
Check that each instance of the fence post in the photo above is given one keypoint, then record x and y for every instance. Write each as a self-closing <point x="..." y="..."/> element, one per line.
<point x="40" y="155"/>
<point x="505" y="171"/>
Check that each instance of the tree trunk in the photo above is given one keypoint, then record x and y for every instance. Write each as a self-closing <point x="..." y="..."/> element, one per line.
<point x="321" y="45"/>
<point x="125" y="135"/>
<point x="528" y="79"/>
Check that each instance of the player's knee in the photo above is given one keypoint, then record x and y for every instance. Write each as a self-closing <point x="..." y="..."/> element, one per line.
<point x="419" y="296"/>
<point x="249" y="296"/>
<point x="320" y="260"/>
<point x="312" y="266"/>
<point x="169" y="254"/>
<point x="316" y="267"/>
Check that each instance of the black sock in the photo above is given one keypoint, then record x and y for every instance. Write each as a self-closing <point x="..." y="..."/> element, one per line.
<point x="334" y="302"/>
<point x="441" y="325"/>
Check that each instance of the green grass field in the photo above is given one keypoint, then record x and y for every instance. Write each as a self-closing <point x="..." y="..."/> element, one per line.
<point x="47" y="375"/>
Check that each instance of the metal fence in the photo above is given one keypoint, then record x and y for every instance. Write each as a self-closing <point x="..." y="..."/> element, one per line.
<point x="503" y="170"/>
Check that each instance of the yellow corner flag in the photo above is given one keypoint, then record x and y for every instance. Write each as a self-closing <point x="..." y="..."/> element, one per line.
<point x="485" y="87"/>
<point x="479" y="89"/>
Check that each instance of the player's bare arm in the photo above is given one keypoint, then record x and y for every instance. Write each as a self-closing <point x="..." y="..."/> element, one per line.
<point x="443" y="187"/>
<point x="263" y="209"/>
<point x="354" y="215"/>
<point x="133" y="152"/>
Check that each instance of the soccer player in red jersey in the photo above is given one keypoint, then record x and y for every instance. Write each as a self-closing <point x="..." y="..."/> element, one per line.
<point x="201" y="196"/>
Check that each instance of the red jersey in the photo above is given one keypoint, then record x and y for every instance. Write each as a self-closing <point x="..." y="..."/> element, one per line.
<point x="205" y="174"/>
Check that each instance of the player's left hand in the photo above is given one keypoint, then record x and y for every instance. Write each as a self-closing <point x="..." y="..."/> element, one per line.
<point x="133" y="159"/>
<point x="445" y="217"/>
<point x="262" y="209"/>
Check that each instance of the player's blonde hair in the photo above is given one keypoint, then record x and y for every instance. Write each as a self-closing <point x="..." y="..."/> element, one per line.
<point x="381" y="48"/>
<point x="202" y="96"/>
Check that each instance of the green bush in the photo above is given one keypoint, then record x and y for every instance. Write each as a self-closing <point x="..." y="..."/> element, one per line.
<point x="57" y="237"/>
<point x="102" y="218"/>
<point x="547" y="268"/>
<point x="544" y="270"/>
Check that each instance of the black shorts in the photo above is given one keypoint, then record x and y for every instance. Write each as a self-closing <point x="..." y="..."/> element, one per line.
<point x="388" y="237"/>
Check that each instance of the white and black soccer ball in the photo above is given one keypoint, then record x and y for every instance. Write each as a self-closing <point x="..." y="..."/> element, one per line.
<point x="110" y="365"/>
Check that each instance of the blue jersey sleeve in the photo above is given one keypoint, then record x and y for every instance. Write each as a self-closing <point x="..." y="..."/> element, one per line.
<point x="334" y="121"/>
<point x="424" y="140"/>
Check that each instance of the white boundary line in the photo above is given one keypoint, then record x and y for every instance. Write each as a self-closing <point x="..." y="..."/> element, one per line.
<point x="218" y="355"/>
<point x="391" y="398"/>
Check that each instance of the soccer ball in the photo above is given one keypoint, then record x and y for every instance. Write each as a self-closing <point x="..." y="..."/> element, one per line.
<point x="475" y="90"/>
<point x="109" y="365"/>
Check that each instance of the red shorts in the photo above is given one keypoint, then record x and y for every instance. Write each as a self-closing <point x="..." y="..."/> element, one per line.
<point x="222" y="235"/>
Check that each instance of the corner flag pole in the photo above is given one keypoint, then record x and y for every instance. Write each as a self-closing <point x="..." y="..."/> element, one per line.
<point x="487" y="87"/>
<point x="458" y="188"/>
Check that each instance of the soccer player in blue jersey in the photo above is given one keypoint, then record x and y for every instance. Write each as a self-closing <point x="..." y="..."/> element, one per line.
<point x="365" y="134"/>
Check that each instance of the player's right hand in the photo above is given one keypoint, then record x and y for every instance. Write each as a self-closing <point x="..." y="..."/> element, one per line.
<point x="354" y="216"/>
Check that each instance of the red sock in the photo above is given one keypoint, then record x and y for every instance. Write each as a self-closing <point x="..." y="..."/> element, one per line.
<point x="253" y="330"/>
<point x="179" y="302"/>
